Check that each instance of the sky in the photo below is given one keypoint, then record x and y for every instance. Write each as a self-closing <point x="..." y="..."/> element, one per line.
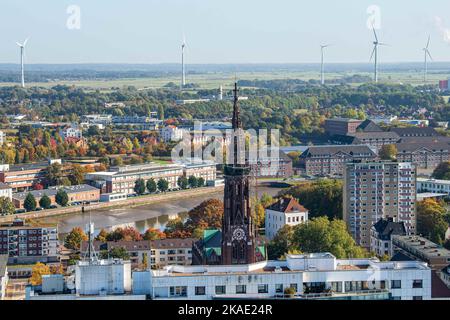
<point x="231" y="31"/>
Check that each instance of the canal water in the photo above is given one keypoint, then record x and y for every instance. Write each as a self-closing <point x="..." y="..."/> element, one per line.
<point x="155" y="215"/>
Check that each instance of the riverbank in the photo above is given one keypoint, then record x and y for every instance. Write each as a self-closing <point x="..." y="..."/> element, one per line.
<point x="128" y="203"/>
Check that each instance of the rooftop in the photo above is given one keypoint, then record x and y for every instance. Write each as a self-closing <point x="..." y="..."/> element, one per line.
<point x="422" y="245"/>
<point x="294" y="263"/>
<point x="53" y="191"/>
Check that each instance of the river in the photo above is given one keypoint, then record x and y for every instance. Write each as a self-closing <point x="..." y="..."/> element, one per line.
<point x="153" y="215"/>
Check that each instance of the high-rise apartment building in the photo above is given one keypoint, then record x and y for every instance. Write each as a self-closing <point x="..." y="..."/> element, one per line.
<point x="375" y="190"/>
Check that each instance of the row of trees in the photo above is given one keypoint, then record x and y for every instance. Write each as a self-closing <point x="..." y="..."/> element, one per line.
<point x="45" y="202"/>
<point x="318" y="235"/>
<point x="140" y="186"/>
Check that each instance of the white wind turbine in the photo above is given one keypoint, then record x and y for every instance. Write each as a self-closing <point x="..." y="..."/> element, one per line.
<point x="425" y="66"/>
<point x="22" y="53"/>
<point x="374" y="54"/>
<point x="322" y="72"/>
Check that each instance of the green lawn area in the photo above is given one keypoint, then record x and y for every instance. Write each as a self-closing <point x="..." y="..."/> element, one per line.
<point x="214" y="80"/>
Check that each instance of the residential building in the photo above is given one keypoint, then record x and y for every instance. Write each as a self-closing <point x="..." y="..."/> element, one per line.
<point x="311" y="276"/>
<point x="373" y="139"/>
<point x="381" y="236"/>
<point x="415" y="132"/>
<point x="426" y="155"/>
<point x="445" y="276"/>
<point x="122" y="179"/>
<point x="420" y="248"/>
<point x="279" y="166"/>
<point x="433" y="186"/>
<point x="3" y="275"/>
<point x="5" y="191"/>
<point x="171" y="252"/>
<point x="2" y="137"/>
<point x="103" y="277"/>
<point x="71" y="132"/>
<point x="375" y="190"/>
<point x="171" y="133"/>
<point x="82" y="193"/>
<point x="286" y="211"/>
<point x="29" y="243"/>
<point x="330" y="160"/>
<point x="157" y="253"/>
<point x="341" y="126"/>
<point x="24" y="176"/>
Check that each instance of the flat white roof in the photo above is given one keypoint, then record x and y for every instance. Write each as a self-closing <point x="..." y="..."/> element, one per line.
<point x="433" y="180"/>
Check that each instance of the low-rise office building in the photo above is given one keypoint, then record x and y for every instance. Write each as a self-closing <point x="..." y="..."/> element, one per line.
<point x="310" y="276"/>
<point x="433" y="185"/>
<point x="83" y="193"/>
<point x="422" y="249"/>
<point x="122" y="179"/>
<point x="29" y="244"/>
<point x="286" y="211"/>
<point x="341" y="126"/>
<point x="279" y="166"/>
<point x="24" y="176"/>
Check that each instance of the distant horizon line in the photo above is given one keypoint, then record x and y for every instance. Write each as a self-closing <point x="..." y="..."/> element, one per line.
<point x="218" y="63"/>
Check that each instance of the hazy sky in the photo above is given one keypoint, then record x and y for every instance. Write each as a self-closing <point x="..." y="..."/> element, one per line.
<point x="231" y="31"/>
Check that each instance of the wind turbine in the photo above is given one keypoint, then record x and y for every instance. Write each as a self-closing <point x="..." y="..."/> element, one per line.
<point x="374" y="54"/>
<point x="322" y="73"/>
<point x="427" y="54"/>
<point x="183" y="71"/>
<point x="22" y="52"/>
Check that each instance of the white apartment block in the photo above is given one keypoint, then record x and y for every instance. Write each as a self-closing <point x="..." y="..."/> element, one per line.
<point x="375" y="190"/>
<point x="2" y="137"/>
<point x="433" y="185"/>
<point x="171" y="133"/>
<point x="311" y="276"/>
<point x="286" y="211"/>
<point x="5" y="191"/>
<point x="71" y="132"/>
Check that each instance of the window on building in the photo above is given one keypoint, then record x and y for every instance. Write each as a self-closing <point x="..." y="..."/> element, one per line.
<point x="417" y="284"/>
<point x="279" y="288"/>
<point x="220" y="289"/>
<point x="241" y="289"/>
<point x="200" y="291"/>
<point x="417" y="298"/>
<point x="263" y="288"/>
<point x="396" y="284"/>
<point x="178" y="291"/>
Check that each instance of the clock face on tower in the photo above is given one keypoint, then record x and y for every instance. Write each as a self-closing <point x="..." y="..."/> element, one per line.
<point x="238" y="234"/>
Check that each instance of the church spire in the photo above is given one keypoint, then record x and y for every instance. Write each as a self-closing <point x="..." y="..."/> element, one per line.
<point x="236" y="116"/>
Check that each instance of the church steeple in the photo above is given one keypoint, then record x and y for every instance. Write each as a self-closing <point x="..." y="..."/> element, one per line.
<point x="236" y="113"/>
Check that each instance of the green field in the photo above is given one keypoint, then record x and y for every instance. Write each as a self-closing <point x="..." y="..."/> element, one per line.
<point x="214" y="80"/>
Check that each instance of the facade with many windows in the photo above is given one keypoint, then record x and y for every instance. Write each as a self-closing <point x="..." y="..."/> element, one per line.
<point x="375" y="190"/>
<point x="123" y="179"/>
<point x="311" y="276"/>
<point x="29" y="244"/>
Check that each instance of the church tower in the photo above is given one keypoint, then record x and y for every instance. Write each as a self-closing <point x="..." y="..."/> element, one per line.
<point x="238" y="231"/>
